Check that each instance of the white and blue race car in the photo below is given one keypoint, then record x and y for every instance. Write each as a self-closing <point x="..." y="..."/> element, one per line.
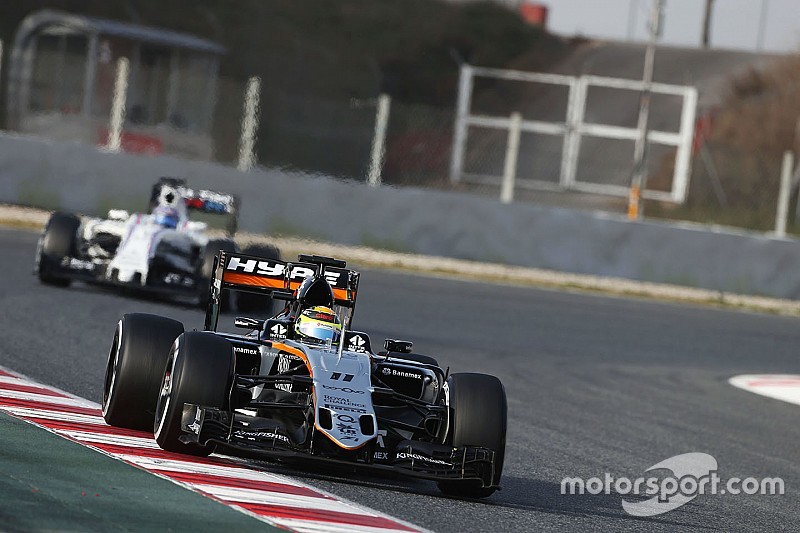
<point x="161" y="251"/>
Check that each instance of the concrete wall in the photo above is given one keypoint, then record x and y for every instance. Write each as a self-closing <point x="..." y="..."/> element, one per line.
<point x="75" y="177"/>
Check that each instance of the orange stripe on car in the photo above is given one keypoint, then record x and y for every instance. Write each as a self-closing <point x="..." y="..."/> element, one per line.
<point x="252" y="280"/>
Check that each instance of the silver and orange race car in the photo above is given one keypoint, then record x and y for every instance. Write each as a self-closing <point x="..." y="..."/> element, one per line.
<point x="280" y="392"/>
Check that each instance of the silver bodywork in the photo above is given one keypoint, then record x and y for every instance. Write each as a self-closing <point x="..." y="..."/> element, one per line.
<point x="342" y="386"/>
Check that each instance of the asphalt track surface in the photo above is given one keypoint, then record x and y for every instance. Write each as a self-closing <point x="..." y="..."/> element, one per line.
<point x="595" y="384"/>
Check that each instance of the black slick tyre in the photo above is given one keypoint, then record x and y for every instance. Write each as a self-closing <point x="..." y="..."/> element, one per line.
<point x="478" y="417"/>
<point x="135" y="367"/>
<point x="199" y="371"/>
<point x="56" y="242"/>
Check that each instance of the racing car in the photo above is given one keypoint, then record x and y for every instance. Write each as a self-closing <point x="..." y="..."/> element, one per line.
<point x="303" y="386"/>
<point x="161" y="251"/>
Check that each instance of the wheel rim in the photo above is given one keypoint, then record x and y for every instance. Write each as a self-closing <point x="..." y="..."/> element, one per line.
<point x="111" y="370"/>
<point x="165" y="394"/>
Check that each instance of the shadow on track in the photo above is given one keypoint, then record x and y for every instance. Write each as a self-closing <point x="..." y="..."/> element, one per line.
<point x="545" y="497"/>
<point x="522" y="494"/>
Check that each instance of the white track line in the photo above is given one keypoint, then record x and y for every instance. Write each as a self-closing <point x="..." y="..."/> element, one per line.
<point x="28" y="412"/>
<point x="785" y="387"/>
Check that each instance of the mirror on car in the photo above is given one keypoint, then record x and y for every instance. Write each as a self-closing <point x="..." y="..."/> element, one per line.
<point x="392" y="345"/>
<point x="248" y="323"/>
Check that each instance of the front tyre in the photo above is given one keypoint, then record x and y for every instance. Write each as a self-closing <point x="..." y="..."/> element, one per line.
<point x="58" y="240"/>
<point x="478" y="417"/>
<point x="135" y="366"/>
<point x="199" y="371"/>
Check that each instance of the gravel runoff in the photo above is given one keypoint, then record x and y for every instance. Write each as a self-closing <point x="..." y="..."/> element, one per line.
<point x="35" y="219"/>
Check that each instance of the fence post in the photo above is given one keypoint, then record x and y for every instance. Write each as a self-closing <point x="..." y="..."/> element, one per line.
<point x="683" y="158"/>
<point x="462" y="114"/>
<point x="247" y="157"/>
<point x="117" y="120"/>
<point x="576" y="109"/>
<point x="783" y="194"/>
<point x="512" y="153"/>
<point x="379" y="140"/>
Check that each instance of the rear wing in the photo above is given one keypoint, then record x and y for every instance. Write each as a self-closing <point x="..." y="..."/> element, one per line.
<point x="249" y="273"/>
<point x="201" y="200"/>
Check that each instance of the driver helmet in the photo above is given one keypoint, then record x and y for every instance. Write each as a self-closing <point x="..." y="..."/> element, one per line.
<point x="319" y="324"/>
<point x="166" y="216"/>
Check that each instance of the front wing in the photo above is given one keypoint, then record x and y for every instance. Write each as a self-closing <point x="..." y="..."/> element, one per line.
<point x="232" y="434"/>
<point x="170" y="283"/>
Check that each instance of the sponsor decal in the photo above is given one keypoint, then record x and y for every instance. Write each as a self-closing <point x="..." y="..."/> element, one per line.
<point x="346" y="429"/>
<point x="284" y="365"/>
<point x="278" y="331"/>
<point x="420" y="457"/>
<point x="242" y="349"/>
<point x="276" y="269"/>
<point x="400" y="373"/>
<point x="342" y="401"/>
<point x="380" y="456"/>
<point x="345" y="418"/>
<point x="381" y="433"/>
<point x="344" y="408"/>
<point x="347" y="390"/>
<point x="344" y="377"/>
<point x="253" y="435"/>
<point x="326" y="317"/>
<point x="195" y="426"/>
<point x="173" y="278"/>
<point x="210" y="196"/>
<point x="77" y="264"/>
<point x="356" y="344"/>
<point x="285" y="361"/>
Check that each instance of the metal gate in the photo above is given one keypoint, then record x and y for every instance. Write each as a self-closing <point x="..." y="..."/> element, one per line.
<point x="575" y="130"/>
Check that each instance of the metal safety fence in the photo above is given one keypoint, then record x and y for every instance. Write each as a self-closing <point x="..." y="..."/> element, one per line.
<point x="514" y="136"/>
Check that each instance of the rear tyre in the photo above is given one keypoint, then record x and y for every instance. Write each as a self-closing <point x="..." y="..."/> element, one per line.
<point x="259" y="304"/>
<point x="478" y="417"/>
<point x="205" y="270"/>
<point x="56" y="242"/>
<point x="199" y="371"/>
<point x="135" y="367"/>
